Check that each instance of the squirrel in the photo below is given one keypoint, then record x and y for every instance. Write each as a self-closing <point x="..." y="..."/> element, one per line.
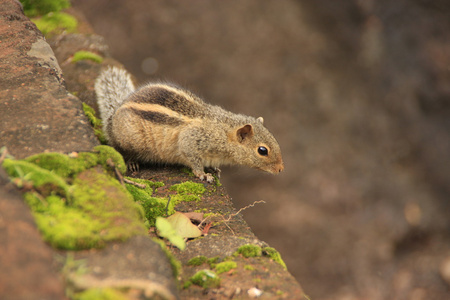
<point x="163" y="123"/>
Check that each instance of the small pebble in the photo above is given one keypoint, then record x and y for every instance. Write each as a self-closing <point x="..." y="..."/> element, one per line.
<point x="254" y="292"/>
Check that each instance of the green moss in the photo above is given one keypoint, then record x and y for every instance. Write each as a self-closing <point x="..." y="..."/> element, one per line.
<point x="139" y="193"/>
<point x="197" y="261"/>
<point x="274" y="255"/>
<point x="249" y="250"/>
<point x="151" y="185"/>
<point x="187" y="284"/>
<point x="106" y="199"/>
<point x="225" y="266"/>
<point x="176" y="264"/>
<point x="184" y="198"/>
<point x="153" y="206"/>
<point x="213" y="261"/>
<point x="41" y="7"/>
<point x="189" y="187"/>
<point x="64" y="165"/>
<point x="187" y="191"/>
<point x="218" y="183"/>
<point x="100" y="294"/>
<point x="64" y="227"/>
<point x="109" y="154"/>
<point x="87" y="55"/>
<point x="100" y="211"/>
<point x="249" y="268"/>
<point x="206" y="279"/>
<point x="76" y="203"/>
<point x="95" y="122"/>
<point x="45" y="181"/>
<point x="55" y="23"/>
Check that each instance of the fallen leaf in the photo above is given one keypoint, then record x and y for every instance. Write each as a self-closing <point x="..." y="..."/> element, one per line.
<point x="183" y="226"/>
<point x="166" y="230"/>
<point x="206" y="228"/>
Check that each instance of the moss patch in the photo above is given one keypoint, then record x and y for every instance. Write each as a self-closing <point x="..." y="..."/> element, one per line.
<point x="187" y="191"/>
<point x="249" y="268"/>
<point x="34" y="8"/>
<point x="87" y="55"/>
<point x="44" y="181"/>
<point x="197" y="261"/>
<point x="77" y="204"/>
<point x="108" y="155"/>
<point x="153" y="206"/>
<point x="56" y="23"/>
<point x="213" y="261"/>
<point x="249" y="250"/>
<point x="225" y="266"/>
<point x="95" y="122"/>
<point x="162" y="207"/>
<point x="68" y="166"/>
<point x="274" y="255"/>
<point x="100" y="211"/>
<point x="63" y="165"/>
<point x="189" y="188"/>
<point x="206" y="279"/>
<point x="151" y="185"/>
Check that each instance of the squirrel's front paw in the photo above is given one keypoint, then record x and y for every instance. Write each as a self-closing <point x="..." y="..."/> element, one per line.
<point x="206" y="177"/>
<point x="214" y="170"/>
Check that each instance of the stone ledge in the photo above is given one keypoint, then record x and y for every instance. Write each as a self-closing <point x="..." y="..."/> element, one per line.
<point x="41" y="115"/>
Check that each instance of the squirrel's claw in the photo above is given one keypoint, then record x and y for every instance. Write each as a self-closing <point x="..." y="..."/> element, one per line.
<point x="206" y="177"/>
<point x="133" y="166"/>
<point x="214" y="170"/>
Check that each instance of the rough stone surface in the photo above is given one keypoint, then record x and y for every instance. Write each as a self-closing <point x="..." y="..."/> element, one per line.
<point x="228" y="232"/>
<point x="138" y="264"/>
<point x="27" y="268"/>
<point x="38" y="114"/>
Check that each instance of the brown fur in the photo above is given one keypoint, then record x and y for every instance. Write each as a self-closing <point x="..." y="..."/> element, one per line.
<point x="166" y="124"/>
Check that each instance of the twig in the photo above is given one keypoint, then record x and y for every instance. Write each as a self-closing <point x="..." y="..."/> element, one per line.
<point x="119" y="176"/>
<point x="139" y="185"/>
<point x="226" y="221"/>
<point x="244" y="208"/>
<point x="122" y="179"/>
<point x="167" y="206"/>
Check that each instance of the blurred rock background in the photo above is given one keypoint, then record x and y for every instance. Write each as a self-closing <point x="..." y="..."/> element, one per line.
<point x="357" y="93"/>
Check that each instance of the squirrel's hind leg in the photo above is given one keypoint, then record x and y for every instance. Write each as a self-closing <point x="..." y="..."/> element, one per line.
<point x="133" y="166"/>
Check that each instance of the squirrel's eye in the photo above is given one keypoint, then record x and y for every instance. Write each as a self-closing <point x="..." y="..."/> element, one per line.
<point x="263" y="151"/>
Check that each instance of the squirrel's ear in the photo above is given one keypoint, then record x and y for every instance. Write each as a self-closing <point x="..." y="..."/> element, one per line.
<point x="260" y="119"/>
<point x="244" y="132"/>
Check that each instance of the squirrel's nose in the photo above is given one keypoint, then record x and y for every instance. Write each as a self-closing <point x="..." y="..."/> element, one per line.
<point x="280" y="168"/>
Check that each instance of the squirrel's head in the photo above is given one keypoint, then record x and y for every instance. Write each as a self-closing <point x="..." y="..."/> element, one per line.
<point x="259" y="148"/>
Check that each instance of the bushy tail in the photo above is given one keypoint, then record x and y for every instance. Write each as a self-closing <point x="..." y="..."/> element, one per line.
<point x="112" y="87"/>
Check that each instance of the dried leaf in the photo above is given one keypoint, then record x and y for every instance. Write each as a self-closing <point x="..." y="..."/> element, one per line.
<point x="183" y="226"/>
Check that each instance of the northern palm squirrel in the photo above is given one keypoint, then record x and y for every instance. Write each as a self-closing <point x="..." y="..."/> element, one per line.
<point x="163" y="123"/>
